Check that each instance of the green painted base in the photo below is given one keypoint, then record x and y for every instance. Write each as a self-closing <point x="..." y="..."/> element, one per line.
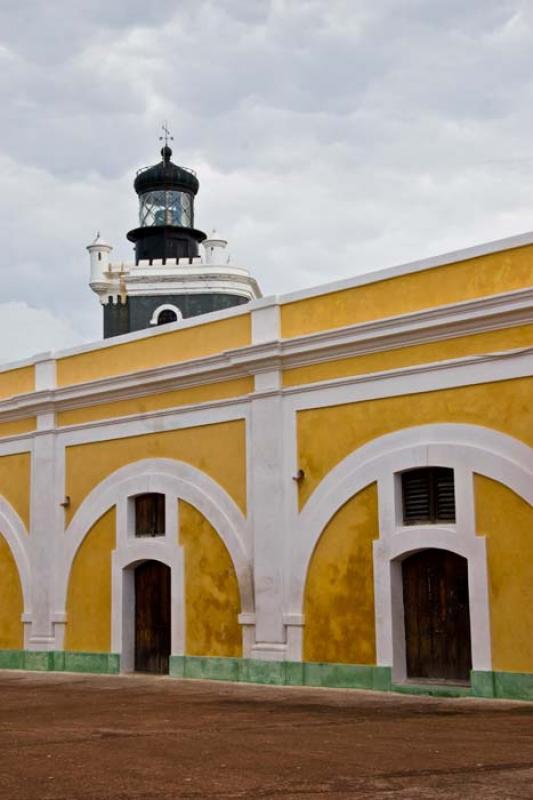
<point x="60" y="661"/>
<point x="508" y="685"/>
<point x="284" y="673"/>
<point x="505" y="685"/>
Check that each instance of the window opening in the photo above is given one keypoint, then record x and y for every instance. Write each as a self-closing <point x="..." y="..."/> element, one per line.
<point x="150" y="515"/>
<point x="428" y="495"/>
<point x="166" y="316"/>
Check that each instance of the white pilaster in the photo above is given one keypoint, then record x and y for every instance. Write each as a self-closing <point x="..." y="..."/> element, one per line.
<point x="267" y="476"/>
<point x="45" y="532"/>
<point x="266" y="323"/>
<point x="267" y="486"/>
<point x="46" y="521"/>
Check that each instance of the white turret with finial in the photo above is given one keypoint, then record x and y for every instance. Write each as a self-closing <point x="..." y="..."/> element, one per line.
<point x="99" y="256"/>
<point x="214" y="247"/>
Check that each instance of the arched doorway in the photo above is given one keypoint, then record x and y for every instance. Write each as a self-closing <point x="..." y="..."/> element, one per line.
<point x="152" y="617"/>
<point x="437" y="616"/>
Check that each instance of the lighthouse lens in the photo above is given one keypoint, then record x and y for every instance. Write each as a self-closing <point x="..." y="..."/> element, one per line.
<point x="166" y="208"/>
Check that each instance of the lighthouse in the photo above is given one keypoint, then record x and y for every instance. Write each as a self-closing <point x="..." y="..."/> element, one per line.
<point x="178" y="272"/>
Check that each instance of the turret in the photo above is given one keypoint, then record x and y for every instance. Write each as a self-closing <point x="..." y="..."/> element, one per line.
<point x="99" y="258"/>
<point x="215" y="247"/>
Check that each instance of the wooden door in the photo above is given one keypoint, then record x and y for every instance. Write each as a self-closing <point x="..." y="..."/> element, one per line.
<point x="152" y="617"/>
<point x="437" y="615"/>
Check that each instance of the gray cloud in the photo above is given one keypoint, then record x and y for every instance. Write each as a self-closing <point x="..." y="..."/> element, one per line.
<point x="331" y="137"/>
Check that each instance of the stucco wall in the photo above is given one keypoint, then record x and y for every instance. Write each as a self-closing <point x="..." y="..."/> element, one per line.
<point x="339" y="593"/>
<point x="164" y="348"/>
<point x="504" y="406"/>
<point x="140" y="405"/>
<point x="89" y="591"/>
<point x="396" y="358"/>
<point x="11" y="603"/>
<point x="212" y="602"/>
<point x="218" y="449"/>
<point x="483" y="276"/>
<point x="507" y="521"/>
<point x="15" y="483"/>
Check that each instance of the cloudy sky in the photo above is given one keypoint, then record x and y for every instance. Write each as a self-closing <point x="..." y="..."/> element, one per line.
<point x="331" y="137"/>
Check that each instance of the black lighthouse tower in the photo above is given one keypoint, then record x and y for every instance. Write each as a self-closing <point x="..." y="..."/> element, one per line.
<point x="178" y="272"/>
<point x="166" y="212"/>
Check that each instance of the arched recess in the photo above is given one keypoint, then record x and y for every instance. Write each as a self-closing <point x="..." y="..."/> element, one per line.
<point x="339" y="590"/>
<point x="211" y="591"/>
<point x="14" y="532"/>
<point x="88" y="601"/>
<point x="176" y="479"/>
<point x="468" y="450"/>
<point x="165" y="307"/>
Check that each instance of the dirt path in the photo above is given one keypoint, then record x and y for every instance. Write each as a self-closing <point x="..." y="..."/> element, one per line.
<point x="73" y="737"/>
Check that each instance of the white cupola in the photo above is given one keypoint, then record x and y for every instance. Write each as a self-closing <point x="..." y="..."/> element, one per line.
<point x="214" y="247"/>
<point x="99" y="255"/>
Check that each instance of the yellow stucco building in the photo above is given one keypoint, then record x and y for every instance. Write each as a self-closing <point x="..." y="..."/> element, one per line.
<point x="333" y="487"/>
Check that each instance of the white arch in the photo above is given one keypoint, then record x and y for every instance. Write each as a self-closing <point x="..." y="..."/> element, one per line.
<point x="165" y="307"/>
<point x="14" y="532"/>
<point x="466" y="448"/>
<point x="178" y="480"/>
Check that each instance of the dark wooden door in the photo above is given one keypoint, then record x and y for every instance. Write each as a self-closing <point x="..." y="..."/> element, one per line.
<point x="437" y="615"/>
<point x="152" y="617"/>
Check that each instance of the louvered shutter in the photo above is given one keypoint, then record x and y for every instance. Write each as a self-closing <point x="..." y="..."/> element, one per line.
<point x="444" y="494"/>
<point x="416" y="492"/>
<point x="428" y="495"/>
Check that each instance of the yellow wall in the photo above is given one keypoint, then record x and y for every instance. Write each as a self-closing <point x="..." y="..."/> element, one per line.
<point x="218" y="450"/>
<point x="212" y="599"/>
<point x="11" y="601"/>
<point x="465" y="280"/>
<point x="163" y="348"/>
<point x="339" y="592"/>
<point x="17" y="381"/>
<point x="140" y="405"/>
<point x="89" y="590"/>
<point x="507" y="521"/>
<point x="460" y="347"/>
<point x="15" y="483"/>
<point x="505" y="406"/>
<point x="18" y="426"/>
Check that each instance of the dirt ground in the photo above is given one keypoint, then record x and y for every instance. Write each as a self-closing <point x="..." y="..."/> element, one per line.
<point x="77" y="737"/>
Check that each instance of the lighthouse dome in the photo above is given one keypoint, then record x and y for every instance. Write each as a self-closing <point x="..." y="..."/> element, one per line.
<point x="166" y="176"/>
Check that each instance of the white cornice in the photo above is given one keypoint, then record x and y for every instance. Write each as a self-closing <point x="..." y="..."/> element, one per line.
<point x="183" y="276"/>
<point x="435" y="376"/>
<point x="501" y="245"/>
<point x="145" y="285"/>
<point x="434" y="325"/>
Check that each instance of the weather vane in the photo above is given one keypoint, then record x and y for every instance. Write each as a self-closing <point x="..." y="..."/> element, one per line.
<point x="166" y="134"/>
